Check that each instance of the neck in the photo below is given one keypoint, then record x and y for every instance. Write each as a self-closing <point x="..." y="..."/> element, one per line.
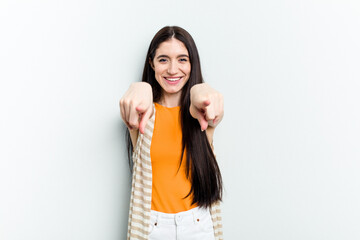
<point x="170" y="100"/>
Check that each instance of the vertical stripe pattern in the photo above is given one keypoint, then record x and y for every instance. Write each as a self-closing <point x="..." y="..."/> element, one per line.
<point x="140" y="199"/>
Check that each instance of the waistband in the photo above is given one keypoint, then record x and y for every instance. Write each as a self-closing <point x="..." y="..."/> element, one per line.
<point x="182" y="218"/>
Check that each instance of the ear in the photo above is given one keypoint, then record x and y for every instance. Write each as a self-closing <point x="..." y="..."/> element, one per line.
<point x="151" y="64"/>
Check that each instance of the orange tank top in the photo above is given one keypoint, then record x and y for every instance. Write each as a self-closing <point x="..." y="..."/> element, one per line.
<point x="169" y="183"/>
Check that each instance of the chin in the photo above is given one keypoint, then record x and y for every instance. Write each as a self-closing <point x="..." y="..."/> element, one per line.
<point x="172" y="91"/>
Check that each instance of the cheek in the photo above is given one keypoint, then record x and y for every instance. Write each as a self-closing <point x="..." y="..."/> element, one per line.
<point x="159" y="70"/>
<point x="188" y="69"/>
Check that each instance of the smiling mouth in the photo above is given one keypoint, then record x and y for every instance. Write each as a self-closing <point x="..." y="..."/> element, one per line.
<point x="172" y="79"/>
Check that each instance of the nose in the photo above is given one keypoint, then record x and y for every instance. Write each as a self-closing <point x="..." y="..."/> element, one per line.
<point x="172" y="69"/>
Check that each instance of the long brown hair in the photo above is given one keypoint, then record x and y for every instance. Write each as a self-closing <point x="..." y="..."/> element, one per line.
<point x="205" y="176"/>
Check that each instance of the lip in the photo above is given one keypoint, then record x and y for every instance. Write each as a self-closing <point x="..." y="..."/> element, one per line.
<point x="173" y="82"/>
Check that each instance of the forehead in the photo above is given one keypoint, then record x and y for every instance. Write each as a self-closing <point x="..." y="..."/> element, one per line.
<point x="171" y="47"/>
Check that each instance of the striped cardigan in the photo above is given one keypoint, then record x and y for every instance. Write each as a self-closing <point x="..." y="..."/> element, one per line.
<point x="140" y="199"/>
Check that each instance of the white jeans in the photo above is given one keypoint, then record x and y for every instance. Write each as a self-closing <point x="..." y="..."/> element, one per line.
<point x="195" y="224"/>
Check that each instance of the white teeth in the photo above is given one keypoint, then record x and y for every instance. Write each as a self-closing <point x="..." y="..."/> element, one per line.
<point x="173" y="79"/>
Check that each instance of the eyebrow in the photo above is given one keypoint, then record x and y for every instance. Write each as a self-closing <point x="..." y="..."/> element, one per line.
<point x="166" y="56"/>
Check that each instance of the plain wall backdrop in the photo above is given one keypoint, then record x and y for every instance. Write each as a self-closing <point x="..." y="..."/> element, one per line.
<point x="288" y="146"/>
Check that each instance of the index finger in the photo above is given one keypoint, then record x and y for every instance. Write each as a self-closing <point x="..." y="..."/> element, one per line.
<point x="144" y="117"/>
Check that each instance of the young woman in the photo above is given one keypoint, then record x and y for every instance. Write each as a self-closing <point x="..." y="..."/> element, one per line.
<point x="171" y="116"/>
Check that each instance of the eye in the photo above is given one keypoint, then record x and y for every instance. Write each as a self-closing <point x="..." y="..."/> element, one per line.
<point x="162" y="60"/>
<point x="183" y="60"/>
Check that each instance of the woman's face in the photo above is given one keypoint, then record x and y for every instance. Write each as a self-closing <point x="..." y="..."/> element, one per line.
<point x="172" y="66"/>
